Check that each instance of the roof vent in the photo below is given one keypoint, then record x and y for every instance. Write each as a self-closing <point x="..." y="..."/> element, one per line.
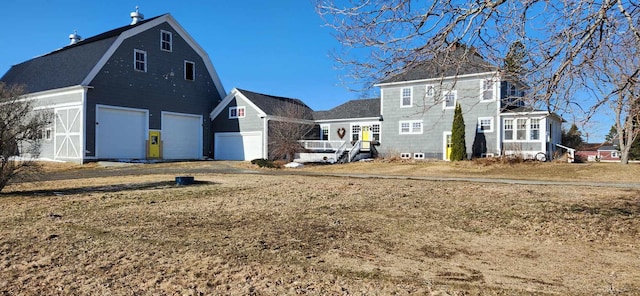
<point x="136" y="16"/>
<point x="75" y="38"/>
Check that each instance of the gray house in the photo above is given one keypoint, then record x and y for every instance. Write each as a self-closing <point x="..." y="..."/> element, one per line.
<point x="141" y="91"/>
<point x="243" y="121"/>
<point x="418" y="106"/>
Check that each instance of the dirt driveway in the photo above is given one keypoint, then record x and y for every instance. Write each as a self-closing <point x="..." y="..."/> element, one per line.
<point x="110" y="169"/>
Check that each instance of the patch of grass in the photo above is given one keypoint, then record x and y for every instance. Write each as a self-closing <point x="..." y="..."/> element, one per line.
<point x="286" y="234"/>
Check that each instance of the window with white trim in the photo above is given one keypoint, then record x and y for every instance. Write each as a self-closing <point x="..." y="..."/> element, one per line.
<point x="407" y="97"/>
<point x="140" y="60"/>
<point x="324" y="132"/>
<point x="166" y="40"/>
<point x="189" y="70"/>
<point x="48" y="134"/>
<point x="508" y="129"/>
<point x="375" y="131"/>
<point x="418" y="155"/>
<point x="485" y="124"/>
<point x="512" y="90"/>
<point x="430" y="91"/>
<point x="521" y="129"/>
<point x="615" y="154"/>
<point x="355" y="132"/>
<point x="487" y="90"/>
<point x="449" y="100"/>
<point x="411" y="127"/>
<point x="534" y="129"/>
<point x="236" y="112"/>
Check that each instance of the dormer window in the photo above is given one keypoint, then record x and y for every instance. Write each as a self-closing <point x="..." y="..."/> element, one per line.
<point x="166" y="41"/>
<point x="140" y="60"/>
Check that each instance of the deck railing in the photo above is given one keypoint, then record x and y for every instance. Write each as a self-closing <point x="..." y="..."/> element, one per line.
<point x="319" y="145"/>
<point x="355" y="150"/>
<point x="340" y="150"/>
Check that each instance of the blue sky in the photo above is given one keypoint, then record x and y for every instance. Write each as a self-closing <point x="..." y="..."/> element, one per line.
<point x="275" y="47"/>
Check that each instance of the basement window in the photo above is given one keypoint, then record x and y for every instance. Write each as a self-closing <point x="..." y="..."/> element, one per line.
<point x="418" y="155"/>
<point x="189" y="70"/>
<point x="405" y="155"/>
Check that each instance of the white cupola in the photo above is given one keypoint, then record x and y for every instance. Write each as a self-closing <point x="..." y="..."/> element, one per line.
<point x="136" y="16"/>
<point x="74" y="38"/>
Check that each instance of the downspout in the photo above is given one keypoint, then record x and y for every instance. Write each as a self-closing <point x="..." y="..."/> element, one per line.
<point x="498" y="116"/>
<point x="265" y="138"/>
<point x="83" y="141"/>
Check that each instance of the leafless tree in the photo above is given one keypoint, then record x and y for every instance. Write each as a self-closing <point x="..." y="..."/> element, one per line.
<point x="20" y="134"/>
<point x="614" y="76"/>
<point x="292" y="121"/>
<point x="382" y="38"/>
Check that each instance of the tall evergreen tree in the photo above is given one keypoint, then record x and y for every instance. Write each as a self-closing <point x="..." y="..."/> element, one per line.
<point x="612" y="135"/>
<point x="573" y="137"/>
<point x="458" y="145"/>
<point x="515" y="59"/>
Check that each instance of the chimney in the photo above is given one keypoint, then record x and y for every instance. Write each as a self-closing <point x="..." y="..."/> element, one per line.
<point x="75" y="38"/>
<point x="136" y="16"/>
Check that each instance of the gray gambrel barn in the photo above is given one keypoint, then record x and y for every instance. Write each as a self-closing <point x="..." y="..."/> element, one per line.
<point x="141" y="91"/>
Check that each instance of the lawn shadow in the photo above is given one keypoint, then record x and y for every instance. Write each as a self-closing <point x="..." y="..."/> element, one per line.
<point x="103" y="188"/>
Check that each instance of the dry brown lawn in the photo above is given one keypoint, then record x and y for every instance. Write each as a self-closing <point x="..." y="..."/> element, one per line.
<point x="271" y="234"/>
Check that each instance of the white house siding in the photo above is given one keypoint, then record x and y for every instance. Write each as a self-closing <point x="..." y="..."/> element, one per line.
<point x="66" y="142"/>
<point x="549" y="135"/>
<point x="435" y="119"/>
<point x="348" y="127"/>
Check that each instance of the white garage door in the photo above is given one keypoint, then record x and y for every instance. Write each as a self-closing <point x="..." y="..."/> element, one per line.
<point x="121" y="133"/>
<point x="181" y="136"/>
<point x="238" y="146"/>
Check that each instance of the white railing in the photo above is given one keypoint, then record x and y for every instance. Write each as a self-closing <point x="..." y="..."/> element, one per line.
<point x="322" y="145"/>
<point x="355" y="150"/>
<point x="340" y="150"/>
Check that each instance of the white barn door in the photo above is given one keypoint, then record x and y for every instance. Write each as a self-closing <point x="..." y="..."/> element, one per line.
<point x="181" y="136"/>
<point x="121" y="133"/>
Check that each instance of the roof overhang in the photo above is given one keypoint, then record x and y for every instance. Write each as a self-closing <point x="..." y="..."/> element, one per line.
<point x="437" y="79"/>
<point x="379" y="118"/>
<point x="234" y="94"/>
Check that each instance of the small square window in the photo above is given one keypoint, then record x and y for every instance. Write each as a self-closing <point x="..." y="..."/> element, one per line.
<point x="430" y="91"/>
<point x="418" y="155"/>
<point x="405" y="155"/>
<point x="449" y="100"/>
<point x="405" y="128"/>
<point x="189" y="71"/>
